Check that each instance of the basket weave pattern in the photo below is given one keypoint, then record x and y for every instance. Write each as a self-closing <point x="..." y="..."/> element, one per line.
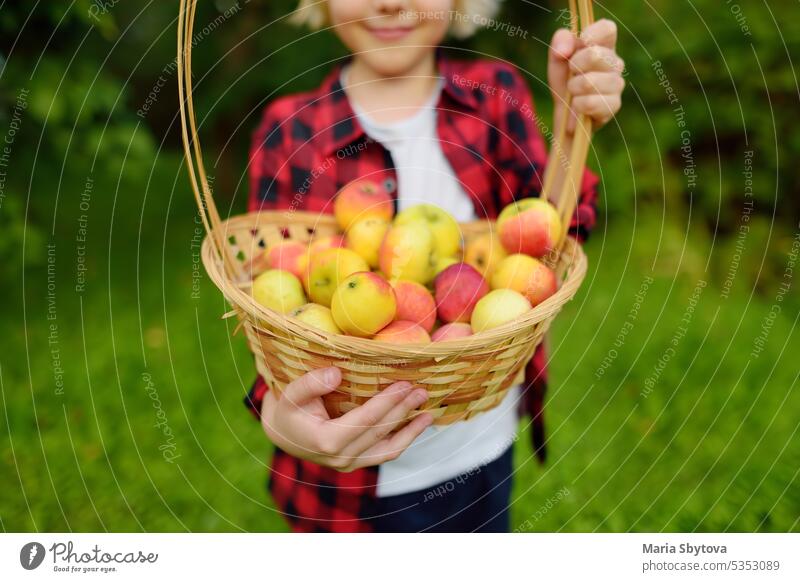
<point x="463" y="377"/>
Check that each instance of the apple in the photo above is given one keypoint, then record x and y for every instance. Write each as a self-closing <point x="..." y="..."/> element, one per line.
<point x="363" y="304"/>
<point x="452" y="331"/>
<point x="530" y="226"/>
<point x="498" y="307"/>
<point x="317" y="245"/>
<point x="289" y="256"/>
<point x="278" y="290"/>
<point x="484" y="252"/>
<point x="414" y="303"/>
<point x="407" y="252"/>
<point x="403" y="332"/>
<point x="365" y="237"/>
<point x="445" y="230"/>
<point x="526" y="275"/>
<point x="329" y="268"/>
<point x="362" y="199"/>
<point x="457" y="289"/>
<point x="317" y="316"/>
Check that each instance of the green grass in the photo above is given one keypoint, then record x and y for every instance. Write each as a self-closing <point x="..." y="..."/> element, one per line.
<point x="713" y="446"/>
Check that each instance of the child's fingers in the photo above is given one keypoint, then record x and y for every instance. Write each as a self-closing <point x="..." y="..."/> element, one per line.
<point x="388" y="424"/>
<point x="347" y="428"/>
<point x="561" y="49"/>
<point x="601" y="108"/>
<point x="312" y="385"/>
<point x="562" y="45"/>
<point x="390" y="448"/>
<point x="596" y="83"/>
<point x="596" y="58"/>
<point x="600" y="33"/>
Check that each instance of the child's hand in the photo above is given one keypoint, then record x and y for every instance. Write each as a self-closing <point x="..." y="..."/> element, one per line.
<point x="596" y="83"/>
<point x="298" y="423"/>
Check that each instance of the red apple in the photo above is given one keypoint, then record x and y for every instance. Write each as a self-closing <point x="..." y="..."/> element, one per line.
<point x="451" y="331"/>
<point x="362" y="199"/>
<point x="403" y="332"/>
<point x="288" y="256"/>
<point x="530" y="226"/>
<point x="457" y="289"/>
<point x="414" y="303"/>
<point x="317" y="245"/>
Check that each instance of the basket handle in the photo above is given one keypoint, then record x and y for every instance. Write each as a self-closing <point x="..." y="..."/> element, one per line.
<point x="581" y="16"/>
<point x="203" y="193"/>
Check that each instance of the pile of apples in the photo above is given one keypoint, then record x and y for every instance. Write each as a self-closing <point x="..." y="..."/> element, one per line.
<point x="408" y="278"/>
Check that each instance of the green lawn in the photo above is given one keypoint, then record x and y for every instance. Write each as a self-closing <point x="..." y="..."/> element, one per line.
<point x="711" y="445"/>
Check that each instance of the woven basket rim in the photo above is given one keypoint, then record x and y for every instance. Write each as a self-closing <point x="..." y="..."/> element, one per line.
<point x="234" y="294"/>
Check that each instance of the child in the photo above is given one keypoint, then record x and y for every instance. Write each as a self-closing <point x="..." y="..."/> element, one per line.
<point x="461" y="135"/>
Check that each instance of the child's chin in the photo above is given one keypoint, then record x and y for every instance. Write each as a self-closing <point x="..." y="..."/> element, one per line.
<point x="394" y="61"/>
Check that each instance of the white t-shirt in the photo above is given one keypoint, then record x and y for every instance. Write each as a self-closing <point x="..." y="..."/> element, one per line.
<point x="424" y="175"/>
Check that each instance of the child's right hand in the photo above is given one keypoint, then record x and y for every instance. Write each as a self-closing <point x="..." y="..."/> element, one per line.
<point x="298" y="423"/>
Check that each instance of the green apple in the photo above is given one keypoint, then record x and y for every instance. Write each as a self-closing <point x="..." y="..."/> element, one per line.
<point x="329" y="268"/>
<point x="317" y="316"/>
<point x="445" y="230"/>
<point x="278" y="290"/>
<point x="497" y="308"/>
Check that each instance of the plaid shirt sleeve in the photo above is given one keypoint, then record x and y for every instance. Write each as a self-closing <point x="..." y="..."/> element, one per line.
<point x="522" y="152"/>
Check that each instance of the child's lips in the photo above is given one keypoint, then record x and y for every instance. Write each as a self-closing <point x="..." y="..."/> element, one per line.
<point x="391" y="32"/>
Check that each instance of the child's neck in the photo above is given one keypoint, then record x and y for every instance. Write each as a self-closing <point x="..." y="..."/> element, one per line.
<point x="389" y="99"/>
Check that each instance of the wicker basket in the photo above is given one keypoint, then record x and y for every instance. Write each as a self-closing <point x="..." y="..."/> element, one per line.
<point x="463" y="377"/>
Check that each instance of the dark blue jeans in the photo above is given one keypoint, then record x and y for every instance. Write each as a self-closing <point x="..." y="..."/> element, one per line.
<point x="475" y="501"/>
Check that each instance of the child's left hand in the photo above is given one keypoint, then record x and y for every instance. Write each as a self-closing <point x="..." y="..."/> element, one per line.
<point x="596" y="84"/>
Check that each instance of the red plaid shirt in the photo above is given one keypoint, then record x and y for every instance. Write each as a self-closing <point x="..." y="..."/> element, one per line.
<point x="309" y="145"/>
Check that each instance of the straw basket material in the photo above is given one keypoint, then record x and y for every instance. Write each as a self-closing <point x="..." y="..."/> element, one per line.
<point x="463" y="377"/>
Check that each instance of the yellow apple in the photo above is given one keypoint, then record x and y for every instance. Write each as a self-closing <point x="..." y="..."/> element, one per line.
<point x="445" y="230"/>
<point x="526" y="275"/>
<point x="329" y="268"/>
<point x="484" y="252"/>
<point x="497" y="308"/>
<point x="365" y="237"/>
<point x="317" y="316"/>
<point x="363" y="304"/>
<point x="278" y="290"/>
<point x="408" y="253"/>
